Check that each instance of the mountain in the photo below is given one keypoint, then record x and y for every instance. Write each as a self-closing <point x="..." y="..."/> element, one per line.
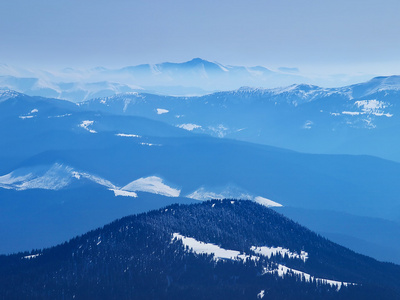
<point x="212" y="250"/>
<point x="60" y="161"/>
<point x="194" y="77"/>
<point x="71" y="90"/>
<point x="202" y="73"/>
<point x="358" y="119"/>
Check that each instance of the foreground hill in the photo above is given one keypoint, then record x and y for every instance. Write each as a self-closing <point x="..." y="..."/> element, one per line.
<point x="213" y="250"/>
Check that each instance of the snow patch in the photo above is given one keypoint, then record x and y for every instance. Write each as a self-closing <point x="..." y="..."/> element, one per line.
<point x="152" y="184"/>
<point x="351" y="113"/>
<point x="189" y="126"/>
<point x="266" y="202"/>
<point x="282" y="271"/>
<point x="370" y="105"/>
<point x="124" y="193"/>
<point x="53" y="177"/>
<point x="229" y="192"/>
<point x="161" y="111"/>
<point x="128" y="135"/>
<point x="60" y="116"/>
<point x="31" y="256"/>
<point x="9" y="181"/>
<point x="85" y="125"/>
<point x="150" y="144"/>
<point x="382" y="114"/>
<point x="373" y="107"/>
<point x="29" y="115"/>
<point x="269" y="251"/>
<point x="211" y="249"/>
<point x="94" y="178"/>
<point x="261" y="294"/>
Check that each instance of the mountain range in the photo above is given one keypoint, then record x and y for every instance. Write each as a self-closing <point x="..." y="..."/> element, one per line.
<point x="358" y="119"/>
<point x="66" y="169"/>
<point x="211" y="250"/>
<point x="194" y="77"/>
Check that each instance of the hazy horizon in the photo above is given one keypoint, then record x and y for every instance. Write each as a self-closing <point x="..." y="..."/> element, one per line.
<point x="355" y="38"/>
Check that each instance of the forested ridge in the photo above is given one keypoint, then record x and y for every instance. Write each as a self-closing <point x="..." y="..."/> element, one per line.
<point x="136" y="258"/>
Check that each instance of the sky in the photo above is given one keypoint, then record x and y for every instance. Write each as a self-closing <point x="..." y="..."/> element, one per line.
<point x="342" y="36"/>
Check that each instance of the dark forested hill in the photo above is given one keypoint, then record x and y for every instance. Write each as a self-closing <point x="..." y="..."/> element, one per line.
<point x="213" y="250"/>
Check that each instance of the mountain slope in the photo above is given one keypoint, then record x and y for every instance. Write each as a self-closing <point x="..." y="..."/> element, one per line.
<point x="143" y="257"/>
<point x="358" y="119"/>
<point x="116" y="163"/>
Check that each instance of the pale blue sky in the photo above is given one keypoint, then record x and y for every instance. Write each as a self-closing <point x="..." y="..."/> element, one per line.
<point x="336" y="36"/>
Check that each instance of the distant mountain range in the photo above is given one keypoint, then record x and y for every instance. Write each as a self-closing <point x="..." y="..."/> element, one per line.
<point x="213" y="250"/>
<point x="66" y="169"/>
<point x="194" y="77"/>
<point x="357" y="119"/>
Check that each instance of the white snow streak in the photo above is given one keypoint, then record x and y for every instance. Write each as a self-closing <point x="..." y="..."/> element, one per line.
<point x="54" y="177"/>
<point x="189" y="126"/>
<point x="266" y="202"/>
<point x="60" y="116"/>
<point x="94" y="178"/>
<point x="211" y="249"/>
<point x="150" y="144"/>
<point x="351" y="113"/>
<point x="269" y="251"/>
<point x="202" y="194"/>
<point x="152" y="184"/>
<point x="124" y="193"/>
<point x="128" y="135"/>
<point x="31" y="256"/>
<point x="282" y="271"/>
<point x="161" y="111"/>
<point x="29" y="115"/>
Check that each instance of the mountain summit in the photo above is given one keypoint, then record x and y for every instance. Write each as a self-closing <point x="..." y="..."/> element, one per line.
<point x="222" y="249"/>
